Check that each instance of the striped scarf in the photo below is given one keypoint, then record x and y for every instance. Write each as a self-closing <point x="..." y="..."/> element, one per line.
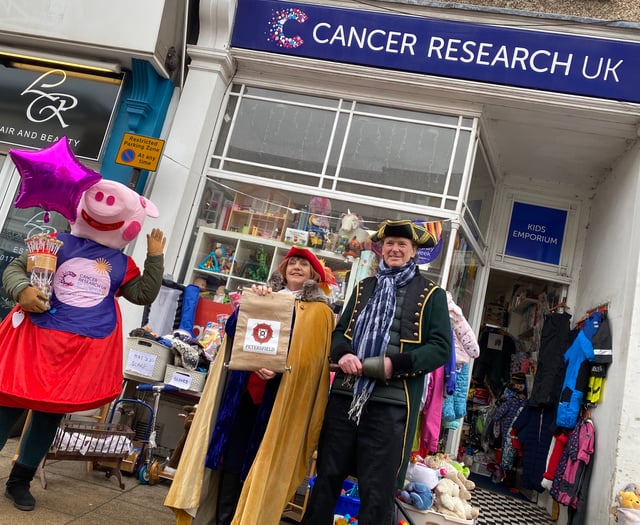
<point x="371" y="330"/>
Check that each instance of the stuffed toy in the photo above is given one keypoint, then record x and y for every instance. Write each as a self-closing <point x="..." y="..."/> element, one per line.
<point x="351" y="227"/>
<point x="354" y="248"/>
<point x="418" y="472"/>
<point x="628" y="500"/>
<point x="318" y="223"/>
<point x="448" y="470"/>
<point x="417" y="494"/>
<point x="447" y="501"/>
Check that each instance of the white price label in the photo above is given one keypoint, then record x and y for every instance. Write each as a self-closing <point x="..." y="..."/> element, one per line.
<point x="180" y="380"/>
<point x="140" y="363"/>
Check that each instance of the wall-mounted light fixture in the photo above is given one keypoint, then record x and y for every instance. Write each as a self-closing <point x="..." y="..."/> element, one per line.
<point x="95" y="66"/>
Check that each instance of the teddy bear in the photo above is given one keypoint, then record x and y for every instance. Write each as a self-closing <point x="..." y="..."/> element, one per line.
<point x="447" y="501"/>
<point x="628" y="500"/>
<point x="416" y="494"/>
<point x="352" y="238"/>
<point x="447" y="469"/>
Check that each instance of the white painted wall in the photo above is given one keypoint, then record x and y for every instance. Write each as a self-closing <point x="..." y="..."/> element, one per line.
<point x="176" y="184"/>
<point x="117" y="23"/>
<point x="609" y="274"/>
<point x="113" y="32"/>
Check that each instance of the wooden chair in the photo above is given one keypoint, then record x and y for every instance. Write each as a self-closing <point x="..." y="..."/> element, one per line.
<point x="295" y="508"/>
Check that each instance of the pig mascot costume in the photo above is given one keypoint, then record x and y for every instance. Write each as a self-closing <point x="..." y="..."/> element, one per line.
<point x="68" y="357"/>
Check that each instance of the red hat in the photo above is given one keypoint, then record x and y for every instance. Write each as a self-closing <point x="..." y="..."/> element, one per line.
<point x="309" y="256"/>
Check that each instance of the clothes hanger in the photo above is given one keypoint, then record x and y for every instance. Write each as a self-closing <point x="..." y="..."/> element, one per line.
<point x="560" y="307"/>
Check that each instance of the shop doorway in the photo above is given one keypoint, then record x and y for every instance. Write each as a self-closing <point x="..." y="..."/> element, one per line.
<point x="502" y="377"/>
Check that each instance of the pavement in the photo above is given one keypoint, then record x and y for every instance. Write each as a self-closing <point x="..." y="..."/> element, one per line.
<point x="74" y="495"/>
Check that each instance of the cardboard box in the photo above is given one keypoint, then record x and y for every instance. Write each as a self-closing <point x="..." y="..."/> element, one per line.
<point x="296" y="237"/>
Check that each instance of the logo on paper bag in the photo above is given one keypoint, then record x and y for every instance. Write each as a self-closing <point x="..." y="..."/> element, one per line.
<point x="262" y="336"/>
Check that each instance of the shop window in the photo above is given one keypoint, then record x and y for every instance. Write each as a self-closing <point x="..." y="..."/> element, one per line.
<point x="238" y="220"/>
<point x="345" y="146"/>
<point x="481" y="191"/>
<point x="464" y="272"/>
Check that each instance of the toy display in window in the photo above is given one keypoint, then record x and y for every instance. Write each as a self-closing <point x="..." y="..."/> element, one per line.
<point x="351" y="235"/>
<point x="318" y="223"/>
<point x="218" y="260"/>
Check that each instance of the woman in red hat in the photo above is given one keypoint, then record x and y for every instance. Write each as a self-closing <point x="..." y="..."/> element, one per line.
<point x="267" y="426"/>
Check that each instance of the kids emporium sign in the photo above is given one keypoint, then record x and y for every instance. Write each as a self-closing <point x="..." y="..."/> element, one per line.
<point x="556" y="62"/>
<point x="536" y="233"/>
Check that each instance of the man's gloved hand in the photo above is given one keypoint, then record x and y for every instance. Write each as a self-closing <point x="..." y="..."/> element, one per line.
<point x="374" y="367"/>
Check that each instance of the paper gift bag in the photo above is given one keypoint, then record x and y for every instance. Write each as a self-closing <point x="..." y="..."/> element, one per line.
<point x="263" y="330"/>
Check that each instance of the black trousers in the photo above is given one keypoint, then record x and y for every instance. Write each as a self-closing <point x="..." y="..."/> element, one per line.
<point x="371" y="451"/>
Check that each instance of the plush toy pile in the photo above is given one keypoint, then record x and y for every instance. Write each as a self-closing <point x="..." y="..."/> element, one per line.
<point x="627" y="507"/>
<point x="440" y="484"/>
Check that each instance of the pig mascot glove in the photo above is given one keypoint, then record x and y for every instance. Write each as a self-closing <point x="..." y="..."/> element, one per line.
<point x="69" y="357"/>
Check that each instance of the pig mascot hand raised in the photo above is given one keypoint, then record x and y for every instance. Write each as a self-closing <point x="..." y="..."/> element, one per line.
<point x="65" y="354"/>
<point x="70" y="355"/>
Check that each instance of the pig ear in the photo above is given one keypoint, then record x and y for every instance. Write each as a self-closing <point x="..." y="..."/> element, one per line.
<point x="149" y="207"/>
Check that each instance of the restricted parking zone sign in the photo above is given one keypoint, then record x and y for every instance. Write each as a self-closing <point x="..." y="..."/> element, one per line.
<point x="140" y="152"/>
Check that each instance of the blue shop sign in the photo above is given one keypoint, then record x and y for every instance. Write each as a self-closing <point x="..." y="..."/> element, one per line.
<point x="562" y="63"/>
<point x="536" y="233"/>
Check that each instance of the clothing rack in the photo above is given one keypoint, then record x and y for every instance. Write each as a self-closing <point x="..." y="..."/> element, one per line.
<point x="603" y="309"/>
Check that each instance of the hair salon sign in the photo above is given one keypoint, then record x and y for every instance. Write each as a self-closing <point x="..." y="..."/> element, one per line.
<point x="39" y="105"/>
<point x="563" y="63"/>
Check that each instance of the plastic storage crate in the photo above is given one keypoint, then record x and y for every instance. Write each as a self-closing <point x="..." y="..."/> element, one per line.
<point x="430" y="517"/>
<point x="185" y="379"/>
<point x="144" y="359"/>
<point x="345" y="504"/>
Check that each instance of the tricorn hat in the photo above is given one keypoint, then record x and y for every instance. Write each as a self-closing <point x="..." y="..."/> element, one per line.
<point x="407" y="229"/>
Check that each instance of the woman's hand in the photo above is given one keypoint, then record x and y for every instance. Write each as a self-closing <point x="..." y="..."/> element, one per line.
<point x="265" y="373"/>
<point x="261" y="289"/>
<point x="156" y="242"/>
<point x="32" y="300"/>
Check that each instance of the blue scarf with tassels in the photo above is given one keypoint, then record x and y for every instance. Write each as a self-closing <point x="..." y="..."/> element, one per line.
<point x="371" y="330"/>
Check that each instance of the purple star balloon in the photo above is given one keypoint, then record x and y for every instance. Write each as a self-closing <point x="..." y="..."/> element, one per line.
<point x="52" y="179"/>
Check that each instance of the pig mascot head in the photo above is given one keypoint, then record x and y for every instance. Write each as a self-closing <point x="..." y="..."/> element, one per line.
<point x="111" y="214"/>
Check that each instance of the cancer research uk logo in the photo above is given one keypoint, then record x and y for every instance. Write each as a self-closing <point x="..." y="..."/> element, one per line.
<point x="276" y="30"/>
